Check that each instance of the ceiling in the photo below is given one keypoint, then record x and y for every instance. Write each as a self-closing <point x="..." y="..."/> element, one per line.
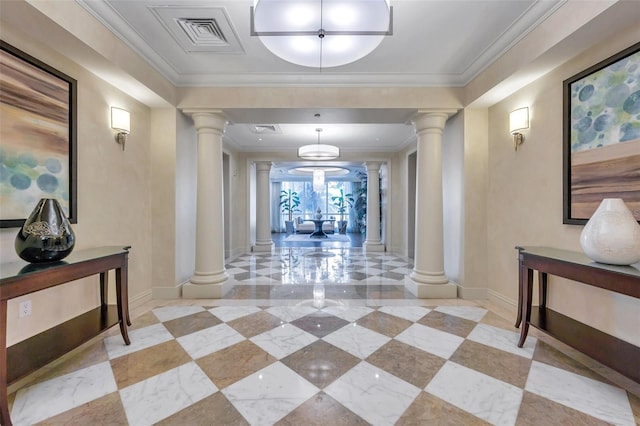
<point x="434" y="43"/>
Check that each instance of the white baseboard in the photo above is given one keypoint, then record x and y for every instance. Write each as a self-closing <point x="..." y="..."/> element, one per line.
<point x="140" y="299"/>
<point x="473" y="293"/>
<point x="167" y="292"/>
<point x="502" y="305"/>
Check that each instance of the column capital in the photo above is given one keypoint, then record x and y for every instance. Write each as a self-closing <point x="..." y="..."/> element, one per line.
<point x="431" y="119"/>
<point x="205" y="118"/>
<point x="263" y="166"/>
<point x="372" y="166"/>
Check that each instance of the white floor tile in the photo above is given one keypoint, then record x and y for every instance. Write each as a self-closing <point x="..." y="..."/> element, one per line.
<point x="172" y="312"/>
<point x="581" y="393"/>
<point x="375" y="395"/>
<point x="396" y="263"/>
<point x="472" y="313"/>
<point x="430" y="340"/>
<point x="158" y="397"/>
<point x="402" y="270"/>
<point x="283" y="340"/>
<point x="140" y="338"/>
<point x="483" y="396"/>
<point x="348" y="313"/>
<point x="411" y="313"/>
<point x="291" y="313"/>
<point x="357" y="340"/>
<point x="229" y="313"/>
<point x="209" y="340"/>
<point x="55" y="396"/>
<point x="269" y="394"/>
<point x="502" y="339"/>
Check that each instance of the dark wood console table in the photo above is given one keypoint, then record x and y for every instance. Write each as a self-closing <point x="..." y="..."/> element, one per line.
<point x="21" y="278"/>
<point x="609" y="350"/>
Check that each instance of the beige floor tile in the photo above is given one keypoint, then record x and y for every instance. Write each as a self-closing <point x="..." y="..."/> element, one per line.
<point x="407" y="362"/>
<point x="321" y="410"/>
<point x="107" y="410"/>
<point x="493" y="362"/>
<point x="234" y="363"/>
<point x="190" y="324"/>
<point x="212" y="411"/>
<point x="254" y="324"/>
<point x="320" y="363"/>
<point x="448" y="323"/>
<point x="431" y="410"/>
<point x="549" y="355"/>
<point x="535" y="411"/>
<point x="145" y="363"/>
<point x="386" y="324"/>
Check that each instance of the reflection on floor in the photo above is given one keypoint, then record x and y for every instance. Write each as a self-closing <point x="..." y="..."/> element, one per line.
<point x="321" y="336"/>
<point x="349" y="240"/>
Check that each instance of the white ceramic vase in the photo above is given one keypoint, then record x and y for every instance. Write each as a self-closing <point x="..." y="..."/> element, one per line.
<point x="612" y="235"/>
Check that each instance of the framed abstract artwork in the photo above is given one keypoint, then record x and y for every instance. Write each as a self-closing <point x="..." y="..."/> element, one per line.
<point x="602" y="136"/>
<point x="37" y="137"/>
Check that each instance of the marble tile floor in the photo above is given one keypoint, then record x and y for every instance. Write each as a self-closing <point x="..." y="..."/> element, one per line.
<point x="304" y="360"/>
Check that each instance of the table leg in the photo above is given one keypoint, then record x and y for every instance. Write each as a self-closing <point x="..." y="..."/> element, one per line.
<point x="104" y="290"/>
<point x="4" y="397"/>
<point x="519" y="318"/>
<point x="123" y="306"/>
<point x="527" y="293"/>
<point x="542" y="289"/>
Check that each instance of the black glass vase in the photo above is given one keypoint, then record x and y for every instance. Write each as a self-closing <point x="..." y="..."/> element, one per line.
<point x="46" y="235"/>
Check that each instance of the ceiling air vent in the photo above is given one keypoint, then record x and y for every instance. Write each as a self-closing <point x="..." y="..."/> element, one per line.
<point x="265" y="128"/>
<point x="207" y="29"/>
<point x="203" y="31"/>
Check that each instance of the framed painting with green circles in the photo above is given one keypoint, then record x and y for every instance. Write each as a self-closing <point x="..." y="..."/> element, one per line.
<point x="37" y="136"/>
<point x="602" y="136"/>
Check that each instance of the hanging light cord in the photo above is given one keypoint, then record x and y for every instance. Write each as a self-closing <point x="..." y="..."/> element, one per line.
<point x="321" y="36"/>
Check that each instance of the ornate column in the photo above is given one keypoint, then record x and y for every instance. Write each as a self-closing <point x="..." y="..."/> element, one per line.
<point x="263" y="199"/>
<point x="210" y="279"/>
<point x="428" y="280"/>
<point x="372" y="241"/>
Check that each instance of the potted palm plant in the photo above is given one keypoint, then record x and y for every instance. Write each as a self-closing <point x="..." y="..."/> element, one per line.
<point x="289" y="202"/>
<point x="342" y="203"/>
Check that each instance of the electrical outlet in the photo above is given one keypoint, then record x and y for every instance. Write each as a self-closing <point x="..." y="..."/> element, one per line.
<point x="25" y="308"/>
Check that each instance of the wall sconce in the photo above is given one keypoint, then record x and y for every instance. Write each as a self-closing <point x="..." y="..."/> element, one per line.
<point x="120" y="122"/>
<point x="518" y="120"/>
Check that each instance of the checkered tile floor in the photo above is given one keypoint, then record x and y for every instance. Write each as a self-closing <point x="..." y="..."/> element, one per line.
<point x="319" y="265"/>
<point x="347" y="362"/>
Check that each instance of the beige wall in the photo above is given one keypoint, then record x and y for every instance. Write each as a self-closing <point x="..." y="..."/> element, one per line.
<point x="114" y="195"/>
<point x="474" y="277"/>
<point x="163" y="187"/>
<point x="186" y="175"/>
<point x="524" y="203"/>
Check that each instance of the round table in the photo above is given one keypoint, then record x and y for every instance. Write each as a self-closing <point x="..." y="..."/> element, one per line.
<point x="318" y="232"/>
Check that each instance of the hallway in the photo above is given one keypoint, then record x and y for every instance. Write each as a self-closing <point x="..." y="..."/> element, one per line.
<point x="320" y="336"/>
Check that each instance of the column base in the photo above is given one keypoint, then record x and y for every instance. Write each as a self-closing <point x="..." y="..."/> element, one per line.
<point x="206" y="291"/>
<point x="447" y="290"/>
<point x="372" y="246"/>
<point x="263" y="246"/>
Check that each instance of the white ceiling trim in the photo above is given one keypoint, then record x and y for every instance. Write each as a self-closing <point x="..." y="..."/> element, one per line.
<point x="536" y="14"/>
<point x="117" y="24"/>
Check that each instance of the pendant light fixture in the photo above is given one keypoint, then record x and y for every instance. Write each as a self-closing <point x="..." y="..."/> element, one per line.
<point x="318" y="152"/>
<point x="318" y="180"/>
<point x="321" y="33"/>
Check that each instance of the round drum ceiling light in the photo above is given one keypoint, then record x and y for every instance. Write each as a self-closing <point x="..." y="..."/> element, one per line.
<point x="321" y="33"/>
<point x="318" y="152"/>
